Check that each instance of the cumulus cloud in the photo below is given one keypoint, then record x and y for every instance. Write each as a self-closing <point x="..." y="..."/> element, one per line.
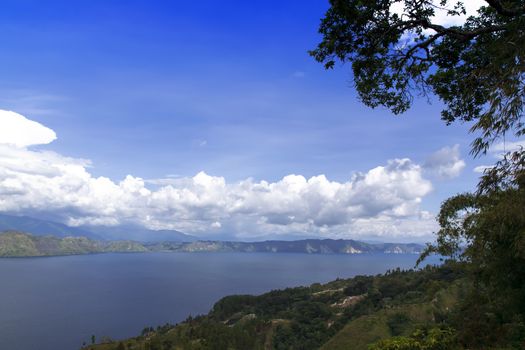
<point x="19" y="131"/>
<point x="445" y="163"/>
<point x="384" y="201"/>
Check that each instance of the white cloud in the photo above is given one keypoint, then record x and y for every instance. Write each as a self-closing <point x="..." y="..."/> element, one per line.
<point x="445" y="163"/>
<point x="199" y="143"/>
<point x="511" y="146"/>
<point x="19" y="131"/>
<point x="384" y="201"/>
<point x="471" y="7"/>
<point x="165" y="181"/>
<point x="440" y="14"/>
<point x="481" y="168"/>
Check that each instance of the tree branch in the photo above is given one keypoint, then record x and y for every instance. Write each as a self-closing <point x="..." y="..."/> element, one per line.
<point x="422" y="45"/>
<point x="451" y="31"/>
<point x="461" y="34"/>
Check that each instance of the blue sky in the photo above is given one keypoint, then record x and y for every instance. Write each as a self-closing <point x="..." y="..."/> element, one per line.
<point x="164" y="90"/>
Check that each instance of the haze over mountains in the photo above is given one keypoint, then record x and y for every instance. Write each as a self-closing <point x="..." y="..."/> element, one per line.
<point x="41" y="227"/>
<point x="140" y="234"/>
<point x="26" y="236"/>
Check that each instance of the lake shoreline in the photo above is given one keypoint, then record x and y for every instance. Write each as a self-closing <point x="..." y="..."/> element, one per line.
<point x="119" y="294"/>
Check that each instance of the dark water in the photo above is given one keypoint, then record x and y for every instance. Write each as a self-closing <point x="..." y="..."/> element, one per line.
<point x="57" y="303"/>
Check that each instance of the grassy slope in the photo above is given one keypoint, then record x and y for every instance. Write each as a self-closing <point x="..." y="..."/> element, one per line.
<point x="311" y="318"/>
<point x="368" y="329"/>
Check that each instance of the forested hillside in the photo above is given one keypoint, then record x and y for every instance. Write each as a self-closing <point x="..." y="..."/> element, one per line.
<point x="343" y="314"/>
<point x="19" y="244"/>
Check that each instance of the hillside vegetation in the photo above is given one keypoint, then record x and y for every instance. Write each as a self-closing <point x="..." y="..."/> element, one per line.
<point x="343" y="314"/>
<point x="18" y="244"/>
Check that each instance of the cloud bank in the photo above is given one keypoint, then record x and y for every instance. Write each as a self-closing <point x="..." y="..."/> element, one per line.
<point x="18" y="131"/>
<point x="445" y="163"/>
<point x="382" y="202"/>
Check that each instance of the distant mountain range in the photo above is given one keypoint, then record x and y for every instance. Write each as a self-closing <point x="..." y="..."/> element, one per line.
<point x="19" y="244"/>
<point x="26" y="236"/>
<point x="40" y="227"/>
<point x="309" y="246"/>
<point x="140" y="234"/>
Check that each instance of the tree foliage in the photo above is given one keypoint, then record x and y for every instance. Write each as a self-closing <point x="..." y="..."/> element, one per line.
<point x="400" y="302"/>
<point x="422" y="339"/>
<point x="487" y="230"/>
<point x="477" y="69"/>
<point x="396" y="50"/>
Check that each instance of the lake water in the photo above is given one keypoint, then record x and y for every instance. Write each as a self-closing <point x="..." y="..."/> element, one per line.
<point x="56" y="303"/>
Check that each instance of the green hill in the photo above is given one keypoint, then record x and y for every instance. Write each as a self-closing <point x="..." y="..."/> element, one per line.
<point x="19" y="244"/>
<point x="343" y="314"/>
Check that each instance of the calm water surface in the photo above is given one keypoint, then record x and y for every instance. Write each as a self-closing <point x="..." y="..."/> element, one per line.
<point x="56" y="303"/>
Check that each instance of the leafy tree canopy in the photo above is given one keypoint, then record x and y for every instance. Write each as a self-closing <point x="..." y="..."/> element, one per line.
<point x="487" y="230"/>
<point x="397" y="49"/>
<point x="477" y="68"/>
<point x="422" y="339"/>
